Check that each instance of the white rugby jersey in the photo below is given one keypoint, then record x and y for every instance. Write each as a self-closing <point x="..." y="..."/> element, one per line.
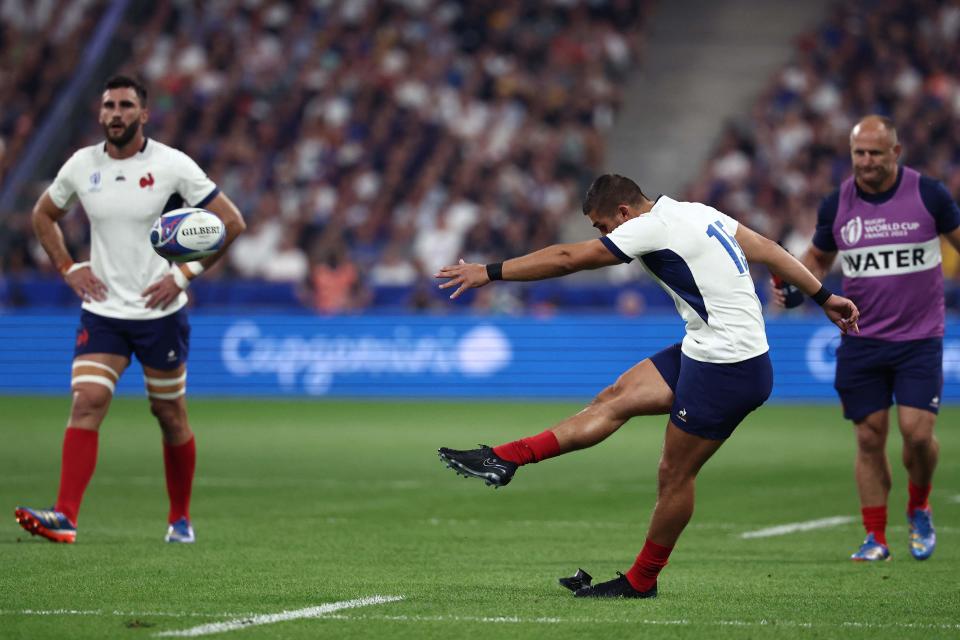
<point x="690" y="250"/>
<point x="122" y="199"/>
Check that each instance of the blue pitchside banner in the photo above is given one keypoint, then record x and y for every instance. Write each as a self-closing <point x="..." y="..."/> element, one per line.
<point x="390" y="356"/>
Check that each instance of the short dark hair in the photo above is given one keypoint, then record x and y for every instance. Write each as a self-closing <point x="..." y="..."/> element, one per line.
<point x="126" y="82"/>
<point x="609" y="191"/>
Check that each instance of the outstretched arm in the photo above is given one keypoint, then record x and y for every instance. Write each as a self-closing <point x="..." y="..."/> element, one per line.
<point x="841" y="311"/>
<point x="551" y="262"/>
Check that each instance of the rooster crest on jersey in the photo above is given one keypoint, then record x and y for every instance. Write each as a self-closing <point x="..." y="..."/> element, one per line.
<point x="187" y="234"/>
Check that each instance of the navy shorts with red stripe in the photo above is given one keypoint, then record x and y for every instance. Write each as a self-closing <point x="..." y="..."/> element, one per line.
<point x="161" y="343"/>
<point x="711" y="399"/>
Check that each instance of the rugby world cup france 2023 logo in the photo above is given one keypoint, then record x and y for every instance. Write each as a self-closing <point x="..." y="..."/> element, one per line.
<point x="852" y="231"/>
<point x="167" y="230"/>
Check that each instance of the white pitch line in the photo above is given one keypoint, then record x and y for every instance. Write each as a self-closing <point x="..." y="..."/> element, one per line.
<point x="793" y="527"/>
<point x="271" y="618"/>
<point x="955" y="499"/>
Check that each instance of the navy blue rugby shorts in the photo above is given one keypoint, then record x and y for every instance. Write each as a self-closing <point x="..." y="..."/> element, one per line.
<point x="162" y="343"/>
<point x="871" y="373"/>
<point x="711" y="399"/>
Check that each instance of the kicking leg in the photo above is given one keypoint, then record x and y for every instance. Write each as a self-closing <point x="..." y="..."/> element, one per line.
<point x="639" y="391"/>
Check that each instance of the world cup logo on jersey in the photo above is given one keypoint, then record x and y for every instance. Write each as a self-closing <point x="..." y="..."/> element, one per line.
<point x="852" y="231"/>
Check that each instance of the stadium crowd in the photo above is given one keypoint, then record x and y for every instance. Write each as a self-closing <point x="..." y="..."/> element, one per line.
<point x="40" y="42"/>
<point x="368" y="142"/>
<point x="898" y="59"/>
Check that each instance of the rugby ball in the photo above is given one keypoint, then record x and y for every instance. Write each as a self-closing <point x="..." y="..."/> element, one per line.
<point x="187" y="234"/>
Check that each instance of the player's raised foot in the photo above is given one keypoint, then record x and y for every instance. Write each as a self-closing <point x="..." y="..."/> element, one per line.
<point x="619" y="587"/>
<point x="480" y="463"/>
<point x="47" y="523"/>
<point x="180" y="531"/>
<point x="923" y="538"/>
<point x="871" y="551"/>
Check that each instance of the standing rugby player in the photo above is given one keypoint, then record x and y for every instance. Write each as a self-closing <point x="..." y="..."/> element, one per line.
<point x="132" y="298"/>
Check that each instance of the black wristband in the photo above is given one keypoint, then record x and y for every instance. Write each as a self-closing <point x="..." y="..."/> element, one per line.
<point x="495" y="271"/>
<point x="821" y="296"/>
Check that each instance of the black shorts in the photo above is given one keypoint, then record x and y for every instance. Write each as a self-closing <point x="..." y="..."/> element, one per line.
<point x="711" y="399"/>
<point x="162" y="343"/>
<point x="871" y="373"/>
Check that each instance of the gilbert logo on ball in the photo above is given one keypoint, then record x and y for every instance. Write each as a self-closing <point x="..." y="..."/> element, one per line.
<point x="187" y="234"/>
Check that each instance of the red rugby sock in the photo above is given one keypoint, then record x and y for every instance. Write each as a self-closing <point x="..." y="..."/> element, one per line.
<point x="875" y="522"/>
<point x="642" y="576"/>
<point x="919" y="497"/>
<point x="533" y="449"/>
<point x="78" y="462"/>
<point x="179" y="462"/>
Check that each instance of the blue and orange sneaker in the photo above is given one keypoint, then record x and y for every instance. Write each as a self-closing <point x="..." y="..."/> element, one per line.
<point x="871" y="551"/>
<point x="923" y="538"/>
<point x="180" y="531"/>
<point x="47" y="523"/>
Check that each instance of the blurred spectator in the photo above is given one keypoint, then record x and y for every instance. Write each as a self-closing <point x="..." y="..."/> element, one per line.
<point x="336" y="284"/>
<point x="288" y="262"/>
<point x="437" y="245"/>
<point x="259" y="245"/>
<point x="393" y="268"/>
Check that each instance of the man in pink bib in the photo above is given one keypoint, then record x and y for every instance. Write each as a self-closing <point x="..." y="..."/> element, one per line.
<point x="885" y="224"/>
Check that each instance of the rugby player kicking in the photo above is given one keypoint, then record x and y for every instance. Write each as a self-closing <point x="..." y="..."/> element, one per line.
<point x="707" y="384"/>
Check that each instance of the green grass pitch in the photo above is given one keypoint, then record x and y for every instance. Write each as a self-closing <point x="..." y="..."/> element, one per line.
<point x="301" y="504"/>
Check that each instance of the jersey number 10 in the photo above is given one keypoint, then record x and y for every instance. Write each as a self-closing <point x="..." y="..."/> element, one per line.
<point x="716" y="230"/>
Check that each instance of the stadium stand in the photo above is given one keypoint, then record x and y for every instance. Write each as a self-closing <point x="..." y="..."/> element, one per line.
<point x="368" y="142"/>
<point x="899" y="59"/>
<point x="345" y="129"/>
<point x="40" y="43"/>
